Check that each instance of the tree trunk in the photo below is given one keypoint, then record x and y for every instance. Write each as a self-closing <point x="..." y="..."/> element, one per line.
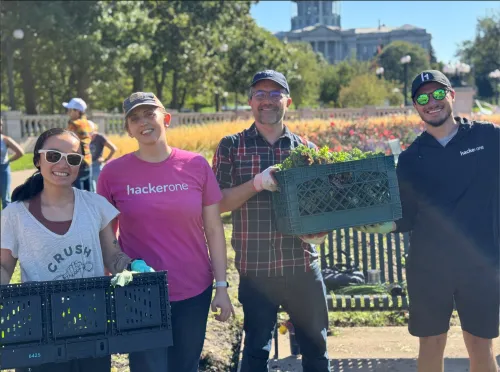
<point x="174" y="103"/>
<point x="183" y="98"/>
<point x="71" y="85"/>
<point x="160" y="81"/>
<point x="82" y="85"/>
<point x="28" y="79"/>
<point x="52" y="100"/>
<point x="138" y="85"/>
<point x="217" y="102"/>
<point x="158" y="86"/>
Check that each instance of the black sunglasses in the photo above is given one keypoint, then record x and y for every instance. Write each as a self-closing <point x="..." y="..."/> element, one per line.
<point x="54" y="156"/>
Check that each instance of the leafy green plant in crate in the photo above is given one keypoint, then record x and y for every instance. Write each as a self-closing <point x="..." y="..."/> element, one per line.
<point x="340" y="191"/>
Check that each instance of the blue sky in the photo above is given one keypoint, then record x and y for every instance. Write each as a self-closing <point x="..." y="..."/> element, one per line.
<point x="449" y="22"/>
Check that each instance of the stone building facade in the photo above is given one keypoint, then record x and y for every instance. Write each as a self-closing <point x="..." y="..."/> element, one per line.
<point x="318" y="23"/>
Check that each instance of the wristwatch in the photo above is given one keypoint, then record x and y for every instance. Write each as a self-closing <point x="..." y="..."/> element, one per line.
<point x="221" y="284"/>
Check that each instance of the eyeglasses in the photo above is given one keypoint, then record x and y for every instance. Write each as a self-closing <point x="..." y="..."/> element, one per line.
<point x="53" y="156"/>
<point x="273" y="95"/>
<point x="438" y="94"/>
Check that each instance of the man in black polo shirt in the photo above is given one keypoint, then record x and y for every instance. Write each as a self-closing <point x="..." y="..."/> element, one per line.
<point x="449" y="185"/>
<point x="274" y="269"/>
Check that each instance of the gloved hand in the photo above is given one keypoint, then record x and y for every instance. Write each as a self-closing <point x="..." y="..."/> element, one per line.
<point x="265" y="180"/>
<point x="317" y="239"/>
<point x="141" y="267"/>
<point x="122" y="279"/>
<point x="378" y="228"/>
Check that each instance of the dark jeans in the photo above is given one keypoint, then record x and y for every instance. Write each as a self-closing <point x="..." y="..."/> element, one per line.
<point x="189" y="324"/>
<point x="5" y="180"/>
<point x="303" y="296"/>
<point x="84" y="180"/>
<point x="102" y="364"/>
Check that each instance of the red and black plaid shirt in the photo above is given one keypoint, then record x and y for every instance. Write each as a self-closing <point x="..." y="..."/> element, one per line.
<point x="260" y="249"/>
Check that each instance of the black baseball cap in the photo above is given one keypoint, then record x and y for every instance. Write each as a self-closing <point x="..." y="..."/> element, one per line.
<point x="140" y="99"/>
<point x="429" y="76"/>
<point x="275" y="76"/>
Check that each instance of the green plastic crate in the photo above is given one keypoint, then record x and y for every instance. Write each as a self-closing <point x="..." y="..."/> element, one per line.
<point x="331" y="196"/>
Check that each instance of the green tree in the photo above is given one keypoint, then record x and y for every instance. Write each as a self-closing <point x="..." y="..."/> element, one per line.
<point x="128" y="28"/>
<point x="435" y="64"/>
<point x="190" y="46"/>
<point x="334" y="77"/>
<point x="304" y="75"/>
<point x="63" y="41"/>
<point x="483" y="53"/>
<point x="364" y="90"/>
<point x="391" y="55"/>
<point x="253" y="49"/>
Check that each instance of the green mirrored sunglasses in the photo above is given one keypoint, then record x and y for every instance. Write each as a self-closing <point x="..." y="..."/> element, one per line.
<point x="438" y="94"/>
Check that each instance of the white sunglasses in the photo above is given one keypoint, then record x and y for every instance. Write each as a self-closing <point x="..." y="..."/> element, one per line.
<point x="53" y="156"/>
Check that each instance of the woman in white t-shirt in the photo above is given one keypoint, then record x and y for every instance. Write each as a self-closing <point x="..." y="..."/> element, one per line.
<point x="59" y="232"/>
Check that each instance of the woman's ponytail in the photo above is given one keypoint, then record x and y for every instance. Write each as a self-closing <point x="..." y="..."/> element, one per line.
<point x="29" y="189"/>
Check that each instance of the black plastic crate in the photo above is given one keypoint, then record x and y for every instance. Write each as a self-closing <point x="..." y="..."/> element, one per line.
<point x="22" y="313"/>
<point x="21" y="319"/>
<point x="139" y="303"/>
<point x="325" y="197"/>
<point x="78" y="313"/>
<point x="80" y="318"/>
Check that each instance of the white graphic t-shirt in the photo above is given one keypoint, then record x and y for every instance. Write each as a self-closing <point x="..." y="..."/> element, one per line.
<point x="44" y="255"/>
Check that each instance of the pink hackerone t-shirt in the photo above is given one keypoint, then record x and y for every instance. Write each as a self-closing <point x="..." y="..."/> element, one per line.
<point x="160" y="216"/>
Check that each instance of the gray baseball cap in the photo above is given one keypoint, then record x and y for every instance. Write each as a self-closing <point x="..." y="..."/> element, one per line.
<point x="140" y="99"/>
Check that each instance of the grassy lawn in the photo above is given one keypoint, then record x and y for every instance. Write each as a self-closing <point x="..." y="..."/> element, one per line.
<point x="26" y="162"/>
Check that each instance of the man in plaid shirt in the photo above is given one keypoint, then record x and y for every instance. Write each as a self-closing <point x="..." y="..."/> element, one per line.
<point x="275" y="269"/>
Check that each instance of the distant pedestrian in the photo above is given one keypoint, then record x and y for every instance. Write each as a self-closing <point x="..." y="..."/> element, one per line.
<point x="7" y="143"/>
<point x="80" y="125"/>
<point x="97" y="145"/>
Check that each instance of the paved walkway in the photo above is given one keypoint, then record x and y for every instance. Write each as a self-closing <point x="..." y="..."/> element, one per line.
<point x="19" y="177"/>
<point x="377" y="349"/>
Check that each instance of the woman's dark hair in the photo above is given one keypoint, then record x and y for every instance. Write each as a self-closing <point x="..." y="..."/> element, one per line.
<point x="34" y="184"/>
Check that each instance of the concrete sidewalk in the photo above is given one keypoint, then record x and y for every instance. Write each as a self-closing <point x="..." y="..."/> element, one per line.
<point x="19" y="177"/>
<point x="377" y="349"/>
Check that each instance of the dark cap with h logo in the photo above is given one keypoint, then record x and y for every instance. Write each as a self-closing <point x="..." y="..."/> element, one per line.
<point x="140" y="99"/>
<point x="272" y="75"/>
<point x="429" y="76"/>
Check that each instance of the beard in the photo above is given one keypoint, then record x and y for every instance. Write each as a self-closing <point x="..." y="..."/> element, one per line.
<point x="271" y="117"/>
<point x="437" y="122"/>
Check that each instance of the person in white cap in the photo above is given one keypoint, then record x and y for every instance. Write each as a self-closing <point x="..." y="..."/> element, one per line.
<point x="79" y="124"/>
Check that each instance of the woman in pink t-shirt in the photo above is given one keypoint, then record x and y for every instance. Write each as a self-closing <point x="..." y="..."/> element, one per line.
<point x="169" y="216"/>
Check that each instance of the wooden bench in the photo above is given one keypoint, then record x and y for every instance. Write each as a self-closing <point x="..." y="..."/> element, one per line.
<point x="365" y="251"/>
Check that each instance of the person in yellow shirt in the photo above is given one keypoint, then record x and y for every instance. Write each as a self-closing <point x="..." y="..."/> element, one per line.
<point x="80" y="125"/>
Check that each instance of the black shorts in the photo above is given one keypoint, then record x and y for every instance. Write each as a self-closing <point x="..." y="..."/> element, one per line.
<point x="433" y="293"/>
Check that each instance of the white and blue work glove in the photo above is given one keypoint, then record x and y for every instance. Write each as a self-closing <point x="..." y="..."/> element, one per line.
<point x="140" y="266"/>
<point x="126" y="277"/>
<point x="378" y="228"/>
